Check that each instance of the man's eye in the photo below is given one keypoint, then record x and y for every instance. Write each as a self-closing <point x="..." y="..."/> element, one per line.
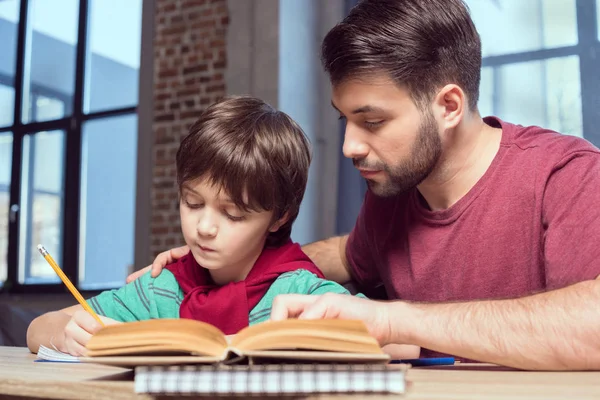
<point x="373" y="124"/>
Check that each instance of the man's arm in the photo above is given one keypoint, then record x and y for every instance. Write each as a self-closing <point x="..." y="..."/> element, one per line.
<point x="330" y="256"/>
<point x="555" y="330"/>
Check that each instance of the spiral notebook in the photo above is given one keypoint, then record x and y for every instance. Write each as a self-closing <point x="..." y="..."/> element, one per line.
<point x="277" y="379"/>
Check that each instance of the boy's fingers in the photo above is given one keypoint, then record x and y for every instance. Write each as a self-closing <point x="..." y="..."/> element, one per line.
<point x="75" y="349"/>
<point x="290" y="305"/>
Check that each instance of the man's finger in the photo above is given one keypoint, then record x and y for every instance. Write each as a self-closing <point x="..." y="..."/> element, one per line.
<point x="320" y="309"/>
<point x="167" y="257"/>
<point x="179" y="252"/>
<point x="135" y="275"/>
<point x="159" y="263"/>
<point x="290" y="305"/>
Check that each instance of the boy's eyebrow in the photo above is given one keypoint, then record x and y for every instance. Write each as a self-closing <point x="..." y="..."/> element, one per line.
<point x="221" y="199"/>
<point x="363" y="109"/>
<point x="189" y="189"/>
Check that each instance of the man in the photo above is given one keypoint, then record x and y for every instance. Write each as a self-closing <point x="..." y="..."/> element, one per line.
<point x="485" y="233"/>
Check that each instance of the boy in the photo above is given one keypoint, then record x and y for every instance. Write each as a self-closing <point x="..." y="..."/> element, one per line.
<point x="241" y="172"/>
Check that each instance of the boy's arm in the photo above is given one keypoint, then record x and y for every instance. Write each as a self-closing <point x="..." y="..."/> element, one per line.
<point x="51" y="329"/>
<point x="133" y="302"/>
<point x="48" y="328"/>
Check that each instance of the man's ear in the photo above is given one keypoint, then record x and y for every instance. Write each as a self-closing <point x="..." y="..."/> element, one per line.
<point x="279" y="223"/>
<point x="449" y="105"/>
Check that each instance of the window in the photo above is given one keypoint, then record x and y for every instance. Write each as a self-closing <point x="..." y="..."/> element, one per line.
<point x="539" y="63"/>
<point x="9" y="20"/>
<point x="5" y="161"/>
<point x="68" y="141"/>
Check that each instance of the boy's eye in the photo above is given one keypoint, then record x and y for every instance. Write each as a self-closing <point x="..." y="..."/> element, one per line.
<point x="233" y="217"/>
<point x="192" y="205"/>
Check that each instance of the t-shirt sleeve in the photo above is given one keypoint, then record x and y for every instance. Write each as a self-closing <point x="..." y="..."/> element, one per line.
<point x="294" y="282"/>
<point x="359" y="248"/>
<point x="143" y="299"/>
<point x="571" y="219"/>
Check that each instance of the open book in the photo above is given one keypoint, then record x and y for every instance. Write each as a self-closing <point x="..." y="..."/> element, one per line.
<point x="184" y="341"/>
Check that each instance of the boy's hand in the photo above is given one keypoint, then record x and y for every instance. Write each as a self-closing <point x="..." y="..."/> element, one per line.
<point x="79" y="330"/>
<point x="161" y="261"/>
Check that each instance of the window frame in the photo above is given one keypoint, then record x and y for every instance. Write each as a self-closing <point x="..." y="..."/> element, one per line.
<point x="588" y="51"/>
<point x="72" y="127"/>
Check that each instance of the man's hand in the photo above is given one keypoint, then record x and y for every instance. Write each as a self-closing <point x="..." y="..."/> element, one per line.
<point x="78" y="332"/>
<point x="374" y="314"/>
<point x="161" y="260"/>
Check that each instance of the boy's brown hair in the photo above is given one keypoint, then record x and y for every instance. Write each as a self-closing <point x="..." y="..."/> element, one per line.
<point x="246" y="147"/>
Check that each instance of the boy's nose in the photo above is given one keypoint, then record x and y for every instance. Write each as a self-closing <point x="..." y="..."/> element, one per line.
<point x="207" y="227"/>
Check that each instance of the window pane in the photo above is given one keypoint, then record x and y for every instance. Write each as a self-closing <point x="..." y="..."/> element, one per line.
<point x="7" y="103"/>
<point x="5" y="170"/>
<point x="486" y="92"/>
<point x="545" y="93"/>
<point x="50" y="57"/>
<point x="113" y="58"/>
<point x="42" y="198"/>
<point x="513" y="26"/>
<point x="9" y="20"/>
<point x="108" y="185"/>
<point x="598" y="17"/>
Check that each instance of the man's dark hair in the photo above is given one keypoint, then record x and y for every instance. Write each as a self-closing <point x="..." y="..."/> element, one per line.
<point x="421" y="44"/>
<point x="257" y="155"/>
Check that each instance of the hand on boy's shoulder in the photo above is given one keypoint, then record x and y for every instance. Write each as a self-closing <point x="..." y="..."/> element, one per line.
<point x="161" y="261"/>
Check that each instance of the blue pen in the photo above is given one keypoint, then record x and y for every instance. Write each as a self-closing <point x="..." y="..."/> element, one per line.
<point x="425" y="362"/>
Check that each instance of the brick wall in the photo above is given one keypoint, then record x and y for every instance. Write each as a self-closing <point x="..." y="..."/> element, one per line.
<point x="189" y="67"/>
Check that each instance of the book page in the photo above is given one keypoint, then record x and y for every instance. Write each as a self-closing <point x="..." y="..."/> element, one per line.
<point x="158" y="336"/>
<point x="324" y="335"/>
<point x="46" y="354"/>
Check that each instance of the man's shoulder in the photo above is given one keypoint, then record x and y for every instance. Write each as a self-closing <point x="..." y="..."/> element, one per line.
<point x="551" y="144"/>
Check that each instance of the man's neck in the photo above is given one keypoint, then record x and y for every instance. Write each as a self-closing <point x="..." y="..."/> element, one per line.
<point x="468" y="152"/>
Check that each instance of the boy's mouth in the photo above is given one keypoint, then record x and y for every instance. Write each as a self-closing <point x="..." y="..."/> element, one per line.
<point x="204" y="248"/>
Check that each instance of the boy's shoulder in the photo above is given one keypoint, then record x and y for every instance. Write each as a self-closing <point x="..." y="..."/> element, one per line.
<point x="302" y="281"/>
<point x="164" y="281"/>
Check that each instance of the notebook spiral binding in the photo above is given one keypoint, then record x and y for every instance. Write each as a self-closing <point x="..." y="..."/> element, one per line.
<point x="278" y="379"/>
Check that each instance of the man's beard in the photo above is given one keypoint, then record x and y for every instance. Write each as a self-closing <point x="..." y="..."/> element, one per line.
<point x="412" y="171"/>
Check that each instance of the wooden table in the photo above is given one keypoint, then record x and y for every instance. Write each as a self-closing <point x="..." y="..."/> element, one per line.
<point x="22" y="378"/>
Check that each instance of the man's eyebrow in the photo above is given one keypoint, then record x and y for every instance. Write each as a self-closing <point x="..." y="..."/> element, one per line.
<point x="363" y="109"/>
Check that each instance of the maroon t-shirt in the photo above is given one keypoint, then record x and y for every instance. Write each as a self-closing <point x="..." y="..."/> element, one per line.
<point x="531" y="223"/>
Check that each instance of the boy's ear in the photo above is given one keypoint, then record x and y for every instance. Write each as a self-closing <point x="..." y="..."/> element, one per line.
<point x="279" y="223"/>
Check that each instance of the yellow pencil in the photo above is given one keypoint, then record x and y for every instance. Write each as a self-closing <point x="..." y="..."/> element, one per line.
<point x="68" y="283"/>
